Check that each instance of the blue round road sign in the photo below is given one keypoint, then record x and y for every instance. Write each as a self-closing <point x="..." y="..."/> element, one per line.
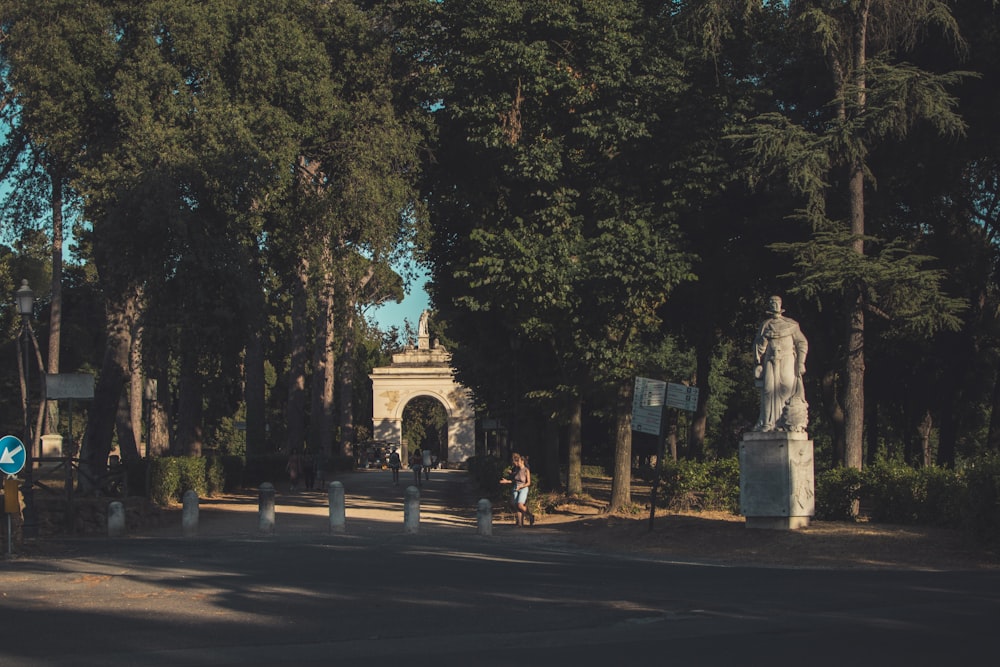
<point x="12" y="455"/>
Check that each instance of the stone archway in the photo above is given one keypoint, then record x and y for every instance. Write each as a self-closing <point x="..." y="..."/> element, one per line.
<point x="424" y="371"/>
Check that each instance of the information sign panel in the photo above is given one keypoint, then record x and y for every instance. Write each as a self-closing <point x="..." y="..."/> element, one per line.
<point x="682" y="397"/>
<point x="647" y="405"/>
<point x="69" y="385"/>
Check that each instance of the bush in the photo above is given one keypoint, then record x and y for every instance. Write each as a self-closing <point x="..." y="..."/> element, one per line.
<point x="165" y="481"/>
<point x="942" y="494"/>
<point x="215" y="475"/>
<point x="837" y="491"/>
<point x="192" y="476"/>
<point x="232" y="471"/>
<point x="981" y="502"/>
<point x="171" y="476"/>
<point x="695" y="485"/>
<point x="889" y="493"/>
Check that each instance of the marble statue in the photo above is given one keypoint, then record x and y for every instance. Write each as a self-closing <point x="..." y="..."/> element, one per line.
<point x="422" y="325"/>
<point x="780" y="351"/>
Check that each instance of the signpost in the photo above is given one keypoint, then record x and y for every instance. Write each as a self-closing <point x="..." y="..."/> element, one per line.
<point x="647" y="405"/>
<point x="649" y="408"/>
<point x="12" y="459"/>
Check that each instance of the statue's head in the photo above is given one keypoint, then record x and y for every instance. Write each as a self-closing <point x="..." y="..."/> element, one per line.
<point x="774" y="306"/>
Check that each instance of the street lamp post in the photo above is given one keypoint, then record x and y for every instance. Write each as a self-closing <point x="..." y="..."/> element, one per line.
<point x="25" y="306"/>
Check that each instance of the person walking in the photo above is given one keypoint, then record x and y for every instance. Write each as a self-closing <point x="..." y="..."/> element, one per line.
<point x="308" y="471"/>
<point x="294" y="469"/>
<point x="394" y="465"/>
<point x="416" y="462"/>
<point x="520" y="478"/>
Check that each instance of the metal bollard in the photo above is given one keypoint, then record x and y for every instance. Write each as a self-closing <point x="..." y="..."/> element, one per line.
<point x="116" y="519"/>
<point x="411" y="510"/>
<point x="335" y="493"/>
<point x="189" y="515"/>
<point x="266" y="508"/>
<point x="484" y="517"/>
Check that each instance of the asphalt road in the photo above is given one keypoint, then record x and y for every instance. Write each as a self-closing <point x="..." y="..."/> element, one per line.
<point x="376" y="595"/>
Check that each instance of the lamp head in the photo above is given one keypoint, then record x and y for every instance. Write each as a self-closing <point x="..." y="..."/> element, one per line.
<point x="25" y="299"/>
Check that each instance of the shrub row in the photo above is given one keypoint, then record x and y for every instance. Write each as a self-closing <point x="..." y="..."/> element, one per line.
<point x="169" y="476"/>
<point x="888" y="492"/>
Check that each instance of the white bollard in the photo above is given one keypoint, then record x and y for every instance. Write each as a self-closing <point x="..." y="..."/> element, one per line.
<point x="484" y="517"/>
<point x="265" y="507"/>
<point x="189" y="515"/>
<point x="335" y="493"/>
<point x="411" y="510"/>
<point x="116" y="519"/>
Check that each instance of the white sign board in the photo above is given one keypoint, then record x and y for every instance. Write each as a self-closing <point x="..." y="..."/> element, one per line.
<point x="647" y="405"/>
<point x="69" y="385"/>
<point x="682" y="397"/>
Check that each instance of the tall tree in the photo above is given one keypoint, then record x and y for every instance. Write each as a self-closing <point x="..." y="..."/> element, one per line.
<point x="823" y="142"/>
<point x="544" y="215"/>
<point x="54" y="55"/>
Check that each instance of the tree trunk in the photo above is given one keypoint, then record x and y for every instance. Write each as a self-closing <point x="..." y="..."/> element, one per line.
<point x="189" y="406"/>
<point x="574" y="481"/>
<point x="295" y="410"/>
<point x="55" y="303"/>
<point x="550" y="456"/>
<point x="854" y="377"/>
<point x="345" y="381"/>
<point x="621" y="481"/>
<point x="872" y="434"/>
<point x="835" y="414"/>
<point x="158" y="404"/>
<point x="255" y="394"/>
<point x="122" y="311"/>
<point x="854" y="384"/>
<point x="671" y="436"/>
<point x="346" y="367"/>
<point x="135" y="392"/>
<point x="924" y="429"/>
<point x="699" y="421"/>
<point x="123" y="426"/>
<point x="159" y="418"/>
<point x="324" y="407"/>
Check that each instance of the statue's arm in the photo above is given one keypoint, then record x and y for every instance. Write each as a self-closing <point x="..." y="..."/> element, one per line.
<point x="759" y="347"/>
<point x="801" y="351"/>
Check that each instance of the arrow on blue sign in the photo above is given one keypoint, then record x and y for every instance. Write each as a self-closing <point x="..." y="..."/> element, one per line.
<point x="12" y="455"/>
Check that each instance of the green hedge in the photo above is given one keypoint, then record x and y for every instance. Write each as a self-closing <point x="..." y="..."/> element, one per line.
<point x="700" y="485"/>
<point x="171" y="476"/>
<point x="981" y="501"/>
<point x="888" y="492"/>
<point x="837" y="492"/>
<point x="892" y="492"/>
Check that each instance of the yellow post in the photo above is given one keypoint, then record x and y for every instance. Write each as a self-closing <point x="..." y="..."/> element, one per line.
<point x="11" y="501"/>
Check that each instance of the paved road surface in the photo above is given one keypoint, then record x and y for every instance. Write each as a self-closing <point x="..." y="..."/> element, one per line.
<point x="446" y="596"/>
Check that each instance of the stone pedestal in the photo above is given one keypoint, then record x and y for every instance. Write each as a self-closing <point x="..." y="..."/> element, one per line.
<point x="777" y="488"/>
<point x="52" y="444"/>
